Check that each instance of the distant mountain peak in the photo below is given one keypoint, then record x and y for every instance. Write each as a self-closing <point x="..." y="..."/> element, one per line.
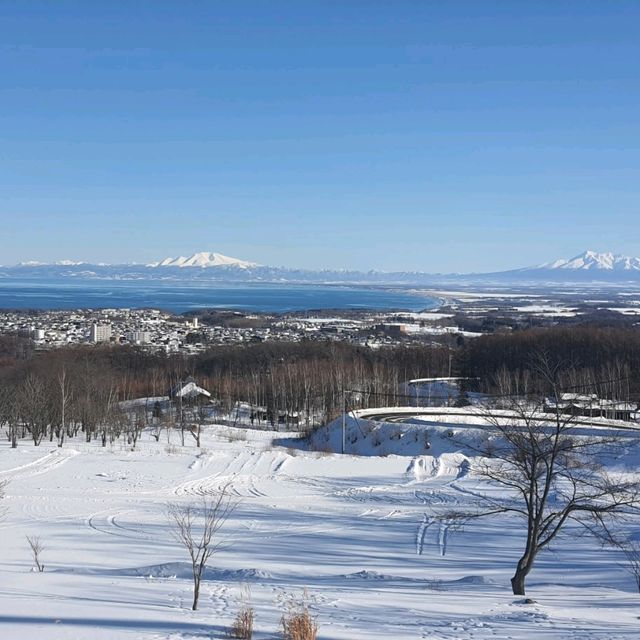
<point x="204" y="259"/>
<point x="594" y="261"/>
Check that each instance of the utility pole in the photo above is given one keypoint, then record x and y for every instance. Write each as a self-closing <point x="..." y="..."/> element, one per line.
<point x="180" y="388"/>
<point x="344" y="419"/>
<point x="62" y="379"/>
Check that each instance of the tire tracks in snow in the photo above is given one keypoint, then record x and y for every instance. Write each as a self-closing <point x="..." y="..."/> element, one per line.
<point x="107" y="522"/>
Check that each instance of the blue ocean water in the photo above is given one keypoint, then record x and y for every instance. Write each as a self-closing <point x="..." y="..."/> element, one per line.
<point x="180" y="296"/>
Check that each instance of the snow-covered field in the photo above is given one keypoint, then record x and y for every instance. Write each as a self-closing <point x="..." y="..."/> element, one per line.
<point x="360" y="533"/>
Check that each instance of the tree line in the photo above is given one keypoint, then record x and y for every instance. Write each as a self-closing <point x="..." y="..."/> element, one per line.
<point x="59" y="393"/>
<point x="590" y="359"/>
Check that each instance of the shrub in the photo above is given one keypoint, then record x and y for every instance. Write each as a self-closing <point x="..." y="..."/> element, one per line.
<point x="297" y="621"/>
<point x="242" y="627"/>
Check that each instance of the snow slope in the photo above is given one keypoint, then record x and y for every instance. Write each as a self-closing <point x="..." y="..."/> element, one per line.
<point x="360" y="533"/>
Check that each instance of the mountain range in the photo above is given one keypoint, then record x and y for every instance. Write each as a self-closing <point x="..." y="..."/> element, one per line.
<point x="588" y="266"/>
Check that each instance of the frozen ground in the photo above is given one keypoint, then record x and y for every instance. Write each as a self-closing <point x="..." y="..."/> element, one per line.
<point x="359" y="532"/>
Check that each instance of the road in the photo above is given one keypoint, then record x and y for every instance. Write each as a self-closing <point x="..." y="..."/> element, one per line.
<point x="476" y="418"/>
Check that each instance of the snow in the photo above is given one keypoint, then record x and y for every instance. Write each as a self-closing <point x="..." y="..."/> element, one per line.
<point x="592" y="260"/>
<point x="424" y="315"/>
<point x="204" y="259"/>
<point x="627" y="311"/>
<point x="546" y="310"/>
<point x="58" y="263"/>
<point x="361" y="533"/>
<point x="190" y="390"/>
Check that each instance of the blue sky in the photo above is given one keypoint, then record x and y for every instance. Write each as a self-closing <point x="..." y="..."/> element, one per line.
<point x="427" y="135"/>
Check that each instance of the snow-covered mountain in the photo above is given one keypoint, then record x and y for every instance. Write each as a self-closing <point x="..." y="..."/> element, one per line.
<point x="593" y="261"/>
<point x="204" y="259"/>
<point x="58" y="263"/>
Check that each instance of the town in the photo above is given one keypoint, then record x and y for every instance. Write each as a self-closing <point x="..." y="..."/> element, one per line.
<point x="157" y="330"/>
<point x="461" y="315"/>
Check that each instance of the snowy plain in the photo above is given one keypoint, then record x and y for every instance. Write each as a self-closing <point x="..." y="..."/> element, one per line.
<point x="360" y="533"/>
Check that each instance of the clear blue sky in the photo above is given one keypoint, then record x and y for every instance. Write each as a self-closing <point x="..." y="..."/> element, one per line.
<point x="430" y="135"/>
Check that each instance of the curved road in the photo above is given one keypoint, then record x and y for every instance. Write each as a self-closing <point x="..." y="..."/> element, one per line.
<point x="448" y="415"/>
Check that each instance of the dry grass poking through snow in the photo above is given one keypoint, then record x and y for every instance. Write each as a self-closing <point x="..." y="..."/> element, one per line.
<point x="242" y="627"/>
<point x="297" y="622"/>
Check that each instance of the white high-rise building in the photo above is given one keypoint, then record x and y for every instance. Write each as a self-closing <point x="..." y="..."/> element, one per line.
<point x="100" y="332"/>
<point x="139" y="337"/>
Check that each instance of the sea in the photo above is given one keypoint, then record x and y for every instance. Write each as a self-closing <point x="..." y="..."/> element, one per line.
<point x="180" y="297"/>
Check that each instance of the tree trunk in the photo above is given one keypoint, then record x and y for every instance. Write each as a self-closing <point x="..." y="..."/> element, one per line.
<point x="196" y="592"/>
<point x="522" y="571"/>
<point x="517" y="582"/>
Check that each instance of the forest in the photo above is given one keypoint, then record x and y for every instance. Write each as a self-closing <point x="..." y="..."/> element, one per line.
<point x="50" y="393"/>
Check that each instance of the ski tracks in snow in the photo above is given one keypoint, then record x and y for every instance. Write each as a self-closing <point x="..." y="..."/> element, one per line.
<point x="441" y="535"/>
<point x="444" y="471"/>
<point x="241" y="474"/>
<point x="45" y="464"/>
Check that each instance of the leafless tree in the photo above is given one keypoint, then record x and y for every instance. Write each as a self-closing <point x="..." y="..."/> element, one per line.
<point x="10" y="413"/>
<point x="196" y="528"/>
<point x="157" y="421"/>
<point x="35" y="406"/>
<point x="134" y="423"/>
<point x="36" y="546"/>
<point x="65" y="397"/>
<point x="551" y="474"/>
<point x="198" y="417"/>
<point x="110" y="419"/>
<point x="631" y="550"/>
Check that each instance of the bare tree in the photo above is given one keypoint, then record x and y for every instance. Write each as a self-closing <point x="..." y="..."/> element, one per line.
<point x="110" y="419"/>
<point x="36" y="546"/>
<point x="65" y="397"/>
<point x="35" y="406"/>
<point x="198" y="418"/>
<point x="196" y="527"/>
<point x="10" y="413"/>
<point x="551" y="474"/>
<point x="157" y="421"/>
<point x="631" y="550"/>
<point x="134" y="424"/>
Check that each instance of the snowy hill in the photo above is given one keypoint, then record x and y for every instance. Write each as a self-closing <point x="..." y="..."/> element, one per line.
<point x="368" y="539"/>
<point x="204" y="259"/>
